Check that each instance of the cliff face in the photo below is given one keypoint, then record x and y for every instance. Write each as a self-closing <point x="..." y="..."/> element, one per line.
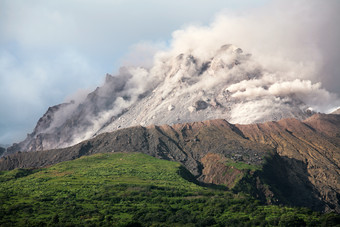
<point x="42" y="136"/>
<point x="288" y="161"/>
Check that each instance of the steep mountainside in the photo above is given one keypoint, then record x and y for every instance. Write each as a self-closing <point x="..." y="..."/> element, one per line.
<point x="336" y="111"/>
<point x="180" y="87"/>
<point x="311" y="149"/>
<point x="42" y="134"/>
<point x="288" y="161"/>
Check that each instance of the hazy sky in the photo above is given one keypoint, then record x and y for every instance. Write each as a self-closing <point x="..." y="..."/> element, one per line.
<point x="51" y="49"/>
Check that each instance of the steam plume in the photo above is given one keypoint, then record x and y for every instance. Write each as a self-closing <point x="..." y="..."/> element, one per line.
<point x="287" y="66"/>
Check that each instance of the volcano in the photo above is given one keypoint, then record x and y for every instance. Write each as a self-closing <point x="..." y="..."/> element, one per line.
<point x="227" y="84"/>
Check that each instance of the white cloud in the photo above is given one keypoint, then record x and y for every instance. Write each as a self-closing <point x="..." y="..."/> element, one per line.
<point x="142" y="54"/>
<point x="32" y="85"/>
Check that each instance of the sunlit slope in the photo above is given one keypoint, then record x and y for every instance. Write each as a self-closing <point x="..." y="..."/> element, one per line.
<point x="303" y="171"/>
<point x="129" y="188"/>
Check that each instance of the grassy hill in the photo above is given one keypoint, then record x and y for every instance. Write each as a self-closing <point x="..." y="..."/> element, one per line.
<point x="303" y="171"/>
<point x="123" y="189"/>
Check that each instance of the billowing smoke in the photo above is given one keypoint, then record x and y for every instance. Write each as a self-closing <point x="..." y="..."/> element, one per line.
<point x="295" y="44"/>
<point x="111" y="100"/>
<point x="282" y="62"/>
<point x="285" y="65"/>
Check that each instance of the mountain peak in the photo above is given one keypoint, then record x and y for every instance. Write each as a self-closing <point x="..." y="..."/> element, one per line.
<point x="230" y="84"/>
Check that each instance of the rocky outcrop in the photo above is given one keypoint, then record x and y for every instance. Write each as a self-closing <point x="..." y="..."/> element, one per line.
<point x="43" y="137"/>
<point x="2" y="150"/>
<point x="288" y="161"/>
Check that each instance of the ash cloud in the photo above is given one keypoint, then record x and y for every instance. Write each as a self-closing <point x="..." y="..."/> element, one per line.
<point x="287" y="65"/>
<point x="295" y="44"/>
<point x="106" y="103"/>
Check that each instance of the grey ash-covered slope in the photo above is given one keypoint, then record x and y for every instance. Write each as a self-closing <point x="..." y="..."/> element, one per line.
<point x="229" y="84"/>
<point x="302" y="167"/>
<point x="42" y="133"/>
<point x="336" y="111"/>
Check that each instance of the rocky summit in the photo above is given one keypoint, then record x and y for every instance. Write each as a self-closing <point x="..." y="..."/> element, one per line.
<point x="180" y="87"/>
<point x="288" y="161"/>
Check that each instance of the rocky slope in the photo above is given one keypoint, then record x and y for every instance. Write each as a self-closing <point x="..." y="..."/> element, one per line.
<point x="336" y="111"/>
<point x="42" y="135"/>
<point x="2" y="150"/>
<point x="180" y="87"/>
<point x="288" y="161"/>
<point x="311" y="149"/>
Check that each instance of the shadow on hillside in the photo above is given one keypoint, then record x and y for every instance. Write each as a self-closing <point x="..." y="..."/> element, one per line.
<point x="185" y="174"/>
<point x="282" y="180"/>
<point x="288" y="180"/>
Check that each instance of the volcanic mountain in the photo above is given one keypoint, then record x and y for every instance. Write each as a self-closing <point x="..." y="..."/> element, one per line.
<point x="186" y="87"/>
<point x="222" y="114"/>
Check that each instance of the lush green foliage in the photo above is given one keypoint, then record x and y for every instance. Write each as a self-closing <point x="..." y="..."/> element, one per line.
<point x="131" y="189"/>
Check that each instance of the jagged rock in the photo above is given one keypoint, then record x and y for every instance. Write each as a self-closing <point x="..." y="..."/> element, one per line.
<point x="2" y="150"/>
<point x="171" y="107"/>
<point x="200" y="105"/>
<point x="214" y="103"/>
<point x="191" y="109"/>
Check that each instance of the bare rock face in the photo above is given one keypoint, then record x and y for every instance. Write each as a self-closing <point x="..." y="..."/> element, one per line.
<point x="311" y="150"/>
<point x="215" y="169"/>
<point x="285" y="162"/>
<point x="41" y="137"/>
<point x="200" y="105"/>
<point x="2" y="150"/>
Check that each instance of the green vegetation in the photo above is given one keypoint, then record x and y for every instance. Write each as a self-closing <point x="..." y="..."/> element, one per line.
<point x="131" y="189"/>
<point x="243" y="166"/>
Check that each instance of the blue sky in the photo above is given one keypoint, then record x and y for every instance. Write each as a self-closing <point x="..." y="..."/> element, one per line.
<point x="50" y="50"/>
